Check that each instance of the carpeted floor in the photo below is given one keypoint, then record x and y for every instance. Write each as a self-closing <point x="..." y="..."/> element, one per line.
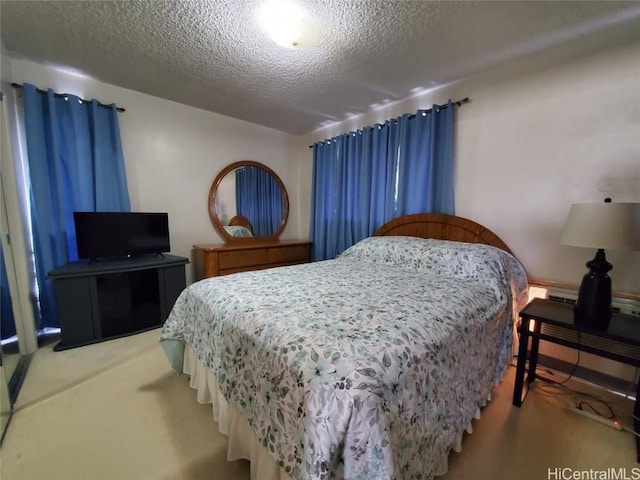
<point x="115" y="411"/>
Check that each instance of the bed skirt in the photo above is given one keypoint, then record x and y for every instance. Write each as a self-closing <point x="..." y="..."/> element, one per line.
<point x="243" y="442"/>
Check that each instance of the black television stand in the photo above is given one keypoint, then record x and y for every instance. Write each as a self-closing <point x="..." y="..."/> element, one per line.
<point x="97" y="301"/>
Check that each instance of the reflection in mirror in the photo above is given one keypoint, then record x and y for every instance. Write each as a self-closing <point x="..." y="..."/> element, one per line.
<point x="259" y="200"/>
<point x="14" y="360"/>
<point x="8" y="359"/>
<point x="247" y="200"/>
<point x="8" y="335"/>
<point x="5" y="401"/>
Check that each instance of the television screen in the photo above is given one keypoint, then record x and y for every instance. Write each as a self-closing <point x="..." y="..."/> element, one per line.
<point x="120" y="234"/>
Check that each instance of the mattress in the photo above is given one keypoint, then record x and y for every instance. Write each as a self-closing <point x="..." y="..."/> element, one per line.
<point x="367" y="366"/>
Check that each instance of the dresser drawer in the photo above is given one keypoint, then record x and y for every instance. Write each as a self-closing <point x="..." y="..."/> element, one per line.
<point x="242" y="258"/>
<point x="249" y="268"/>
<point x="298" y="253"/>
<point x="214" y="260"/>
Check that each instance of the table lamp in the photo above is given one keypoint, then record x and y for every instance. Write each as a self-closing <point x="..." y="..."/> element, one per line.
<point x="607" y="225"/>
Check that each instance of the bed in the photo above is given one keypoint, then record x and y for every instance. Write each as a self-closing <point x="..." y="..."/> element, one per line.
<point x="239" y="226"/>
<point x="369" y="366"/>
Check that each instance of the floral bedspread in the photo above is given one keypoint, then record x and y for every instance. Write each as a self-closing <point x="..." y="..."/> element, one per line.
<point x="363" y="367"/>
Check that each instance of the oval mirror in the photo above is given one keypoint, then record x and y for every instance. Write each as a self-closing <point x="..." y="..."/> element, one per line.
<point x="248" y="202"/>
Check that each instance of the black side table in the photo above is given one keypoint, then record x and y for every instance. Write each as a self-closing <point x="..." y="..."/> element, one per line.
<point x="554" y="323"/>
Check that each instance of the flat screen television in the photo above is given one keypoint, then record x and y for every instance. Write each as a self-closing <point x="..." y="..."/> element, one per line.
<point x="120" y="234"/>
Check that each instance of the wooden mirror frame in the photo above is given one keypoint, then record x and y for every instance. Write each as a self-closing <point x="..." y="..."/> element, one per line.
<point x="213" y="215"/>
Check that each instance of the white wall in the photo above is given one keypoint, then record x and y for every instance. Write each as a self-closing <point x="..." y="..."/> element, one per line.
<point x="5" y="69"/>
<point x="536" y="137"/>
<point x="172" y="152"/>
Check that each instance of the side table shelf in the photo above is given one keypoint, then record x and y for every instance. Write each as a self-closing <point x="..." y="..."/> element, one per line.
<point x="553" y="322"/>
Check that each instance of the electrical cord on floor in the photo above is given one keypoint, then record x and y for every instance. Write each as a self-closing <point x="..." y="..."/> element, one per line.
<point x="581" y="404"/>
<point x="549" y="387"/>
<point x="561" y="389"/>
<point x="547" y="384"/>
<point x="570" y="391"/>
<point x="557" y="388"/>
<point x="562" y="382"/>
<point x="552" y="387"/>
<point x="573" y="369"/>
<point x="570" y="376"/>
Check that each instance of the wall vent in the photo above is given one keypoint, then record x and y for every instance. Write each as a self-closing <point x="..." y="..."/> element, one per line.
<point x="618" y="304"/>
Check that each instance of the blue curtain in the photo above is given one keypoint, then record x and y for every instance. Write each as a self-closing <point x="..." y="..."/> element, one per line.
<point x="363" y="179"/>
<point x="259" y="199"/>
<point x="75" y="164"/>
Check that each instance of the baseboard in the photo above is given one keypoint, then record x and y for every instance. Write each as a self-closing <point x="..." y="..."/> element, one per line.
<point x="609" y="382"/>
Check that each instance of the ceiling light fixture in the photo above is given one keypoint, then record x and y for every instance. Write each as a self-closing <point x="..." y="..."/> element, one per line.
<point x="287" y="24"/>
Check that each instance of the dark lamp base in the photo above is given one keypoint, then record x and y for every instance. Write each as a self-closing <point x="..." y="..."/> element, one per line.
<point x="593" y="308"/>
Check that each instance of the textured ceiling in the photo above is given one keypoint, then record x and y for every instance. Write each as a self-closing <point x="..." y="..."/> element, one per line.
<point x="212" y="55"/>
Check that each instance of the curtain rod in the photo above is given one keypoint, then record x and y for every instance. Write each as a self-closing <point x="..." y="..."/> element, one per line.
<point x="457" y="102"/>
<point x="63" y="95"/>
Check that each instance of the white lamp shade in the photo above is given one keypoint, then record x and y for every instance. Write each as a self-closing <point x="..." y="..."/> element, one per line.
<point x="614" y="226"/>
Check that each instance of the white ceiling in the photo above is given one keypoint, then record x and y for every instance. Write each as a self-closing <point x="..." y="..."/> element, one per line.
<point x="212" y="55"/>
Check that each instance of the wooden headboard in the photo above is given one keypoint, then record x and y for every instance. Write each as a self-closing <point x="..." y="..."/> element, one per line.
<point x="443" y="227"/>
<point x="241" y="221"/>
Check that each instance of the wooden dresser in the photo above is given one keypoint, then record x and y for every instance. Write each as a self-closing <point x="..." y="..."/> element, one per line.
<point x="214" y="260"/>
